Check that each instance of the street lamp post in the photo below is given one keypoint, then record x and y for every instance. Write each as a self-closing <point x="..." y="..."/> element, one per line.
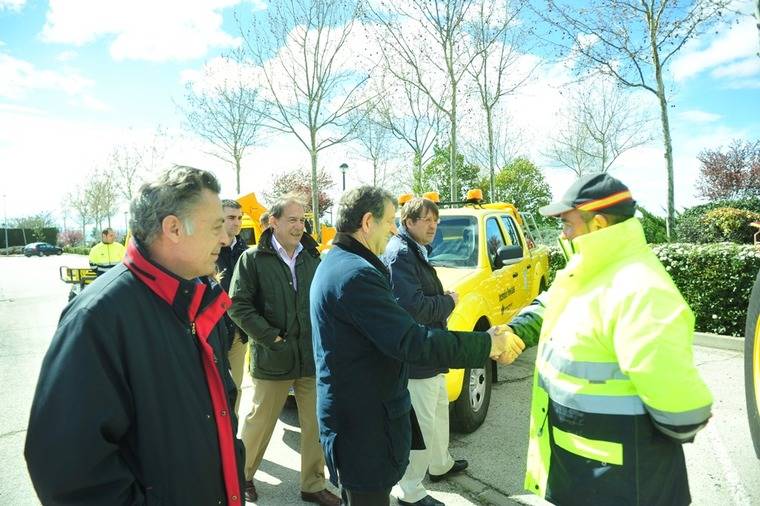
<point x="343" y="169"/>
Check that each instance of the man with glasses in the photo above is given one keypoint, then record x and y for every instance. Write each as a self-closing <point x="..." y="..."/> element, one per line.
<point x="417" y="289"/>
<point x="270" y="303"/>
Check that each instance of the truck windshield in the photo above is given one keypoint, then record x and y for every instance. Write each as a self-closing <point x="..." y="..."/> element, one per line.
<point x="455" y="243"/>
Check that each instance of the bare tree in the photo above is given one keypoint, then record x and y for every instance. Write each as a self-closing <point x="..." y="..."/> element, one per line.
<point x="374" y="141"/>
<point x="411" y="117"/>
<point x="131" y="163"/>
<point x="76" y="200"/>
<point x="496" y="38"/>
<point x="503" y="146"/>
<point x="601" y="123"/>
<point x="427" y="45"/>
<point x="633" y="41"/>
<point x="101" y="198"/>
<point x="227" y="114"/>
<point x="300" y="51"/>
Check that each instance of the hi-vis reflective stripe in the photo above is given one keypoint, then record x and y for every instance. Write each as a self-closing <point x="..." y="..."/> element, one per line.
<point x="600" y="404"/>
<point x="595" y="205"/>
<point x="595" y="372"/>
<point x="692" y="417"/>
<point x="603" y="451"/>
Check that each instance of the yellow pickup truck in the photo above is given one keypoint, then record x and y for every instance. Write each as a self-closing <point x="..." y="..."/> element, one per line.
<point x="484" y="253"/>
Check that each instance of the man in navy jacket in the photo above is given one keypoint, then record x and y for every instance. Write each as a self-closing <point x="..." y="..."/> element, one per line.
<point x="363" y="343"/>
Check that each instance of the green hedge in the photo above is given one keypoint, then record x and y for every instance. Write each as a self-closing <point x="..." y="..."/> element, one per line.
<point x="715" y="279"/>
<point x="77" y="250"/>
<point x="691" y="225"/>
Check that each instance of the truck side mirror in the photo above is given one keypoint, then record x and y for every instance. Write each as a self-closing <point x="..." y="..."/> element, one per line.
<point x="508" y="255"/>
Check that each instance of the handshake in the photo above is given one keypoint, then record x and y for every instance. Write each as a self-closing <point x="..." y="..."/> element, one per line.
<point x="506" y="346"/>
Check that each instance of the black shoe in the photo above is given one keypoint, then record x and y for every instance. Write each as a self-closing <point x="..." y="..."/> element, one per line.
<point x="250" y="492"/>
<point x="458" y="467"/>
<point x="425" y="501"/>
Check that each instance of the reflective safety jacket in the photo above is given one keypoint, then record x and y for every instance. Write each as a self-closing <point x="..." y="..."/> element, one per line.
<point x="104" y="256"/>
<point x="615" y="389"/>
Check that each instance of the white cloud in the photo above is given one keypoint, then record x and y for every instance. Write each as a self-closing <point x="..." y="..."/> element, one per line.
<point x="18" y="77"/>
<point x="66" y="56"/>
<point x="12" y="5"/>
<point x="93" y="104"/>
<point x="697" y="116"/>
<point x="742" y="68"/>
<point x="142" y="29"/>
<point x="731" y="43"/>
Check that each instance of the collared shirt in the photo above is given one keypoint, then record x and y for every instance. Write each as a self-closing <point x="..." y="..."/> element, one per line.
<point x="290" y="262"/>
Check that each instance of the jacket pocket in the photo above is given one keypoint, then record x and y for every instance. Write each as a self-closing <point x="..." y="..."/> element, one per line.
<point x="398" y="429"/>
<point x="607" y="452"/>
<point x="275" y="360"/>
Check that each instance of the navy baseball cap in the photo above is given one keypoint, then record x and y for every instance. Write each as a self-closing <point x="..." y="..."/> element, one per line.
<point x="594" y="193"/>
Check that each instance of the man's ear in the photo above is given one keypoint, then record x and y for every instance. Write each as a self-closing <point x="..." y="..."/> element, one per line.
<point x="366" y="221"/>
<point x="599" y="221"/>
<point x="172" y="228"/>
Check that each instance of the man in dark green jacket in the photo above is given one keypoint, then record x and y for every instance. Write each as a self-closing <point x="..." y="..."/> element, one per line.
<point x="270" y="303"/>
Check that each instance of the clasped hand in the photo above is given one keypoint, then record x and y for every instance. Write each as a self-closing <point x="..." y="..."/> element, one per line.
<point x="506" y="346"/>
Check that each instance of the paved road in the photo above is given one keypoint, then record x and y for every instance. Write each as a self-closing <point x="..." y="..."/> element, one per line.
<point x="722" y="467"/>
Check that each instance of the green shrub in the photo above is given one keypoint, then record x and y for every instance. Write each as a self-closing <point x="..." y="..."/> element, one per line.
<point x="715" y="279"/>
<point x="77" y="250"/>
<point x="12" y="250"/>
<point x="654" y="227"/>
<point x="728" y="224"/>
<point x="690" y="226"/>
<point x="556" y="261"/>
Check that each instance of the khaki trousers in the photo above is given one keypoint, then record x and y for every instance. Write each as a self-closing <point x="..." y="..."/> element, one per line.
<point x="431" y="405"/>
<point x="236" y="356"/>
<point x="268" y="399"/>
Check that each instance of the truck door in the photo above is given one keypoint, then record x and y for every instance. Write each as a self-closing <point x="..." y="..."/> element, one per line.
<point x="524" y="284"/>
<point x="503" y="281"/>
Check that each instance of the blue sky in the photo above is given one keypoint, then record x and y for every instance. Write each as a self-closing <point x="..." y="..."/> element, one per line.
<point x="79" y="77"/>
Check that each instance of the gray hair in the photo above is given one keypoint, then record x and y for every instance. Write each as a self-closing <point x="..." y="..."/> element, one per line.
<point x="175" y="192"/>
<point x="234" y="204"/>
<point x="358" y="202"/>
<point x="283" y="201"/>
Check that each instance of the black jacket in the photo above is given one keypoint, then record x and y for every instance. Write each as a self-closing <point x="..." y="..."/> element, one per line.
<point x="265" y="306"/>
<point x="363" y="341"/>
<point x="225" y="265"/>
<point x="132" y="402"/>
<point x="418" y="290"/>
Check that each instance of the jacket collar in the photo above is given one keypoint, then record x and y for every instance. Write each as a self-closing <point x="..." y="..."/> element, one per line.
<point x="348" y="243"/>
<point x="194" y="301"/>
<point x="609" y="245"/>
<point x="403" y="234"/>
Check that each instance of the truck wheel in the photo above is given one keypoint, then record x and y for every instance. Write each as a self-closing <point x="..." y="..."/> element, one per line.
<point x="752" y="365"/>
<point x="470" y="409"/>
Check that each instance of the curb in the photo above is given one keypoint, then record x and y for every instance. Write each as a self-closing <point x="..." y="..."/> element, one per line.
<point x="483" y="492"/>
<point x="718" y="341"/>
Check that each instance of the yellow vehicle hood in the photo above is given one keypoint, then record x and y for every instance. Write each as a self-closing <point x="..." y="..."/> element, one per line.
<point x="451" y="277"/>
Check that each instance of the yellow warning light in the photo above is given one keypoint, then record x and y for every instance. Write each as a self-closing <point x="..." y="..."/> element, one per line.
<point x="404" y="198"/>
<point x="475" y="194"/>
<point x="434" y="196"/>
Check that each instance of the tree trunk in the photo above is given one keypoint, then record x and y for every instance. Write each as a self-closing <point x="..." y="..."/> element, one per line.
<point x="665" y="126"/>
<point x="489" y="126"/>
<point x="237" y="174"/>
<point x="314" y="188"/>
<point x="453" y="147"/>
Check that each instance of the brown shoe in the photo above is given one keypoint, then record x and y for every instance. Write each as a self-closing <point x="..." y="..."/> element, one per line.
<point x="323" y="497"/>
<point x="250" y="492"/>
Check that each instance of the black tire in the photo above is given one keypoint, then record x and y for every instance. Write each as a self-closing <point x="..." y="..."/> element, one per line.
<point x="470" y="409"/>
<point x="752" y="365"/>
<point x="40" y="253"/>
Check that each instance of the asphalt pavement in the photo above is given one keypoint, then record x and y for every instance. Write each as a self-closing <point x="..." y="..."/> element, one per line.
<point x="723" y="469"/>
